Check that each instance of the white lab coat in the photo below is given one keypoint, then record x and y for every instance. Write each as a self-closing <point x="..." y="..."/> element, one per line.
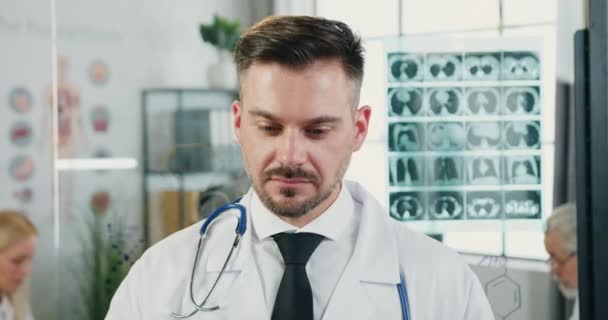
<point x="7" y="311"/>
<point x="440" y="285"/>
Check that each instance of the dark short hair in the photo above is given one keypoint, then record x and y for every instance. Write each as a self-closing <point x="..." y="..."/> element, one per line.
<point x="298" y="41"/>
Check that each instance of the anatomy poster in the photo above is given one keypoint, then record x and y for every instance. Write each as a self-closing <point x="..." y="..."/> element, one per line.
<point x="465" y="132"/>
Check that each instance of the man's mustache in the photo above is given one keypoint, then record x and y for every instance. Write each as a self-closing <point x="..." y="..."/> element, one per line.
<point x="291" y="173"/>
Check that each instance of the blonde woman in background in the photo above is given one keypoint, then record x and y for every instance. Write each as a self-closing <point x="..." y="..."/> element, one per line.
<point x="18" y="239"/>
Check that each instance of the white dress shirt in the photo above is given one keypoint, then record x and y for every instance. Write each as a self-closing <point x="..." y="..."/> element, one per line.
<point x="338" y="224"/>
<point x="575" y="311"/>
<point x="6" y="309"/>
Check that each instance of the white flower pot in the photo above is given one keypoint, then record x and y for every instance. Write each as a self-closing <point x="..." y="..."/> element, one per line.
<point x="222" y="75"/>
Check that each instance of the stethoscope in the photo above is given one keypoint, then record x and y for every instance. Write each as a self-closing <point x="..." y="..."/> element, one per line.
<point x="239" y="232"/>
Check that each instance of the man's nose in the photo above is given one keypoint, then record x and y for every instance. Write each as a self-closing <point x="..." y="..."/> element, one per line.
<point x="24" y="269"/>
<point x="291" y="149"/>
<point x="555" y="270"/>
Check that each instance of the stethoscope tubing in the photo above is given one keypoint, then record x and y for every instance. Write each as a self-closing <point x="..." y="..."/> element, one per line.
<point x="403" y="298"/>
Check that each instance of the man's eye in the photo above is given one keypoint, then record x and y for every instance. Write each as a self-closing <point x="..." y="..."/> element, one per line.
<point x="269" y="128"/>
<point x="317" y="132"/>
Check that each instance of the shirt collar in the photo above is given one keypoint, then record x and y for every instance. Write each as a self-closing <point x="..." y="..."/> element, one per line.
<point x="330" y="224"/>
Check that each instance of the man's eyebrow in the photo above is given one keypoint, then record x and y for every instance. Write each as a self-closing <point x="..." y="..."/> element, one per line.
<point x="313" y="121"/>
<point x="263" y="114"/>
<point x="324" y="119"/>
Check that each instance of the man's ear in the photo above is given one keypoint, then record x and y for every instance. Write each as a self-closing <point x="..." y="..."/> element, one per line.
<point x="362" y="118"/>
<point x="237" y="111"/>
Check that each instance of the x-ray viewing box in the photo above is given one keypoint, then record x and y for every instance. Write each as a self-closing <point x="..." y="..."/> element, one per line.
<point x="466" y="134"/>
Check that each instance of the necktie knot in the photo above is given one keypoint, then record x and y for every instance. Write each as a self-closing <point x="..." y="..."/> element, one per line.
<point x="296" y="248"/>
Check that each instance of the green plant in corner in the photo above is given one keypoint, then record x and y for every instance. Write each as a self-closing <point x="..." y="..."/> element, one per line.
<point x="107" y="256"/>
<point x="223" y="33"/>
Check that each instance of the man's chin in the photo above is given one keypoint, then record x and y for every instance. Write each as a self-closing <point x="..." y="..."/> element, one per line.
<point x="289" y="206"/>
<point x="568" y="292"/>
<point x="287" y="203"/>
<point x="288" y="195"/>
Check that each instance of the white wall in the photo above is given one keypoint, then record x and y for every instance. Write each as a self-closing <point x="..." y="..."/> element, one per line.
<point x="172" y="52"/>
<point x="570" y="18"/>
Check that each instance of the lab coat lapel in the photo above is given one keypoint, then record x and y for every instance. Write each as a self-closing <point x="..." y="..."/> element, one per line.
<point x="246" y="298"/>
<point x="374" y="261"/>
<point x="349" y="300"/>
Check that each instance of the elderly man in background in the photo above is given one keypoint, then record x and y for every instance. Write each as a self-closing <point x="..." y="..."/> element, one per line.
<point x="560" y="242"/>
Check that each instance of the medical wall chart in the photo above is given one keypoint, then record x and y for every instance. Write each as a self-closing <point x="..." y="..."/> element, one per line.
<point x="465" y="131"/>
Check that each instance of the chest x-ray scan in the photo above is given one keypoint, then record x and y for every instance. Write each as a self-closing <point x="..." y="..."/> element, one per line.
<point x="406" y="171"/>
<point x="484" y="170"/>
<point x="446" y="205"/>
<point x="482" y="101"/>
<point x="406" y="136"/>
<point x="406" y="206"/>
<point x="446" y="171"/>
<point x="521" y="101"/>
<point x="484" y="205"/>
<point x="446" y="136"/>
<point x="405" y="101"/>
<point x="443" y="67"/>
<point x="444" y="101"/>
<point x="520" y="66"/>
<point x="522" y="135"/>
<point x="483" y="135"/>
<point x="522" y="204"/>
<point x="482" y="66"/>
<point x="405" y="67"/>
<point x="523" y="169"/>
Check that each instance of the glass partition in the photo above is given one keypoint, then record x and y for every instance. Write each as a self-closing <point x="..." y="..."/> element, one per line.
<point x="26" y="161"/>
<point x="73" y="79"/>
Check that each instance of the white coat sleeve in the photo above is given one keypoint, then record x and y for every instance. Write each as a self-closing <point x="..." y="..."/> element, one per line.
<point x="478" y="307"/>
<point x="125" y="302"/>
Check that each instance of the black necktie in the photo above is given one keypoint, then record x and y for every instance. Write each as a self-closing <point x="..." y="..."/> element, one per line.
<point x="294" y="298"/>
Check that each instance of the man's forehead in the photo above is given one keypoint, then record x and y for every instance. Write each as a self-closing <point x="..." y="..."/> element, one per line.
<point x="555" y="239"/>
<point x="269" y="83"/>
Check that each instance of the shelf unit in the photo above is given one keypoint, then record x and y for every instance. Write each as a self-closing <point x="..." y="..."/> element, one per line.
<point x="187" y="144"/>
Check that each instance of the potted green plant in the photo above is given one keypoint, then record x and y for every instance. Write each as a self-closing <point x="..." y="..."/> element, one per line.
<point x="107" y="253"/>
<point x="223" y="34"/>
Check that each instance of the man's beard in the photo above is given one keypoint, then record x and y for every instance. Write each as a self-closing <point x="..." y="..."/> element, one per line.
<point x="569" y="293"/>
<point x="294" y="209"/>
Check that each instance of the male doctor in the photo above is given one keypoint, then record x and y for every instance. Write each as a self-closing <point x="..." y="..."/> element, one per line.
<point x="316" y="246"/>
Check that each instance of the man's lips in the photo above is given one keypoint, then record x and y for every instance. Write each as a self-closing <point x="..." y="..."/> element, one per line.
<point x="288" y="181"/>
